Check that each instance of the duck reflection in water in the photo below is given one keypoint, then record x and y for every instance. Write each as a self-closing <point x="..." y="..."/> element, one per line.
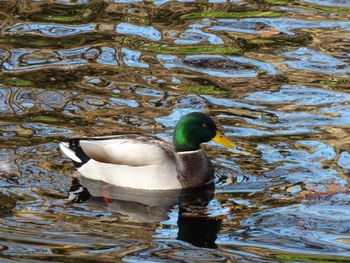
<point x="195" y="226"/>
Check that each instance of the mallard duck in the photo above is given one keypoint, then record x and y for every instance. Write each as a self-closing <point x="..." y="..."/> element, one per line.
<point x="147" y="161"/>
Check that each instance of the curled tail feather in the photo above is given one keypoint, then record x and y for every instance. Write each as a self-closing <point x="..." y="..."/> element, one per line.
<point x="74" y="152"/>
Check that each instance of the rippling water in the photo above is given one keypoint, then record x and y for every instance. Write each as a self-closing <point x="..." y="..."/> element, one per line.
<point x="274" y="74"/>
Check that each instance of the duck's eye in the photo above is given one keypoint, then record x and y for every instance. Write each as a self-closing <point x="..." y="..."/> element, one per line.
<point x="205" y="125"/>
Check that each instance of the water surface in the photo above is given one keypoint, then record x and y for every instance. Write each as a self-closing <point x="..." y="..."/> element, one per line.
<point x="273" y="74"/>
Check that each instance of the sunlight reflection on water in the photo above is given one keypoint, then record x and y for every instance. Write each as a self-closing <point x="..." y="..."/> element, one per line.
<point x="275" y="78"/>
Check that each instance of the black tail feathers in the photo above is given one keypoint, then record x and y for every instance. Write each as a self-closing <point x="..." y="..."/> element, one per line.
<point x="74" y="144"/>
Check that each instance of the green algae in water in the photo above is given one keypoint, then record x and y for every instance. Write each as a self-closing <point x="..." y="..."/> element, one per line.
<point x="330" y="8"/>
<point x="62" y="42"/>
<point x="239" y="14"/>
<point x="26" y="42"/>
<point x="132" y="41"/>
<point x="263" y="41"/>
<point x="15" y="81"/>
<point x="313" y="258"/>
<point x="236" y="48"/>
<point x="19" y="141"/>
<point x="30" y="82"/>
<point x="46" y="119"/>
<point x="70" y="14"/>
<point x="332" y="82"/>
<point x="62" y="19"/>
<point x="319" y="7"/>
<point x="279" y="2"/>
<point x="57" y="86"/>
<point x="280" y="138"/>
<point x="42" y="117"/>
<point x="299" y="39"/>
<point x="7" y="205"/>
<point x="210" y="89"/>
<point x="197" y="49"/>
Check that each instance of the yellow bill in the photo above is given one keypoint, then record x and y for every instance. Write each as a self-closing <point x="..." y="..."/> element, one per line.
<point x="221" y="139"/>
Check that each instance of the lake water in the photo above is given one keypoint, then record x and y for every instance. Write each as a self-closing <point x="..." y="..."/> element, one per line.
<point x="274" y="75"/>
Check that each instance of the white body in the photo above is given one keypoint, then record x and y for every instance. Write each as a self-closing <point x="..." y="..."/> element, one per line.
<point x="150" y="177"/>
<point x="142" y="162"/>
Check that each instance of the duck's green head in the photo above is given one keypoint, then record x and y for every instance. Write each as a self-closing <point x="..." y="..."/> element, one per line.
<point x="196" y="128"/>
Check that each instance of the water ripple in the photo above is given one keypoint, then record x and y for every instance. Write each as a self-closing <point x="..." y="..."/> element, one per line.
<point x="29" y="59"/>
<point x="148" y="32"/>
<point x="317" y="61"/>
<point x="305" y="228"/>
<point x="300" y="121"/>
<point x="344" y="161"/>
<point x="295" y="169"/>
<point x="272" y="74"/>
<point x="284" y="25"/>
<point x="26" y="59"/>
<point x="162" y="2"/>
<point x="177" y="251"/>
<point x="196" y="36"/>
<point x="329" y="2"/>
<point x="300" y="95"/>
<point x="4" y="97"/>
<point x="44" y="130"/>
<point x="108" y="56"/>
<point x="132" y="58"/>
<point x="219" y="66"/>
<point x="51" y="30"/>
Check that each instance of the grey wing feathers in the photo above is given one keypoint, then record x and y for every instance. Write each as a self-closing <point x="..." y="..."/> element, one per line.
<point x="132" y="150"/>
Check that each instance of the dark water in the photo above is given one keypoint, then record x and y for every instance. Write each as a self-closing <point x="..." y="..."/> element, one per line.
<point x="274" y="74"/>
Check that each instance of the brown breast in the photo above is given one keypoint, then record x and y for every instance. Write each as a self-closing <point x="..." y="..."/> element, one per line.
<point x="195" y="169"/>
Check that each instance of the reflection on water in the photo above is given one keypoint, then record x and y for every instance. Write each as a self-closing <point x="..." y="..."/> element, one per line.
<point x="304" y="58"/>
<point x="283" y="25"/>
<point x="273" y="74"/>
<point x="194" y="225"/>
<point x="197" y="230"/>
